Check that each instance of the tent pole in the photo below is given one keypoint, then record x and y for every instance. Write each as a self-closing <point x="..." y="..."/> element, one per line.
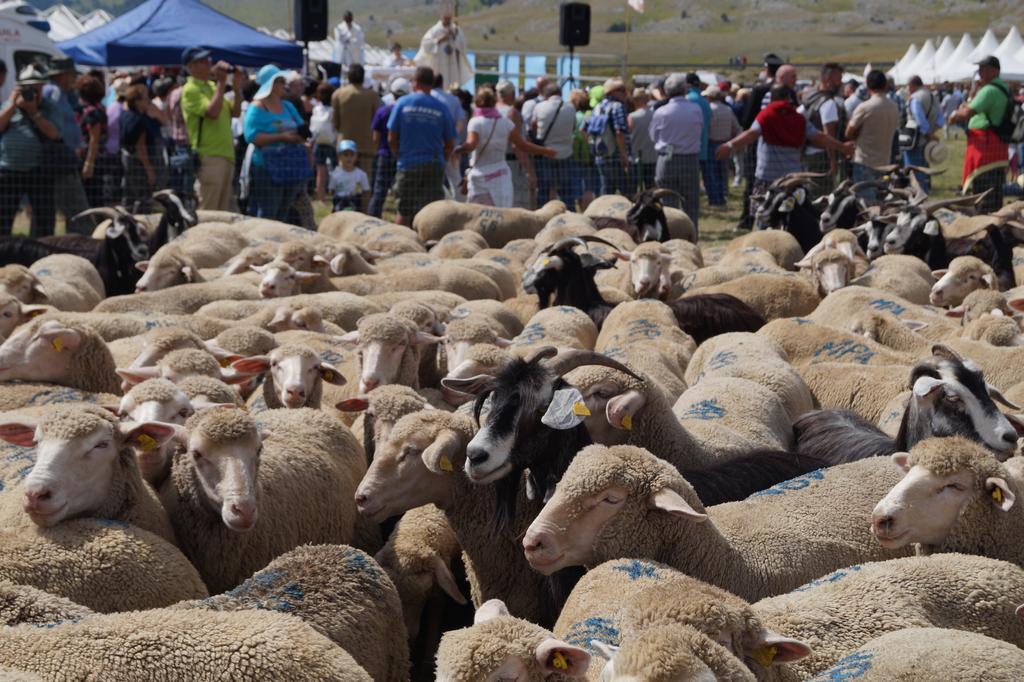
<point x="305" y="58"/>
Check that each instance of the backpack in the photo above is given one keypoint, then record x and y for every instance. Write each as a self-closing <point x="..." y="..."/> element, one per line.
<point x="596" y="128"/>
<point x="813" y="104"/>
<point x="1011" y="129"/>
<point x="321" y="126"/>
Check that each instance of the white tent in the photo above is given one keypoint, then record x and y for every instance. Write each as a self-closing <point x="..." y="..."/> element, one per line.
<point x="944" y="50"/>
<point x="96" y="18"/>
<point x="909" y="56"/>
<point x="922" y="65"/>
<point x="1010" y="46"/>
<point x="64" y="24"/>
<point x="957" y="67"/>
<point x="987" y="46"/>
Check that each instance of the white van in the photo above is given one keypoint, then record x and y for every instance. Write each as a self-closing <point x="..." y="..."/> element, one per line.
<point x="23" y="40"/>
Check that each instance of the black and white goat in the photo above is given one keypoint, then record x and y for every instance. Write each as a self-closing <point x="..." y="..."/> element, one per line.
<point x="647" y="216"/>
<point x="842" y="208"/>
<point x="785" y="206"/>
<point x="949" y="397"/>
<point x="569" y="277"/>
<point x="530" y="422"/>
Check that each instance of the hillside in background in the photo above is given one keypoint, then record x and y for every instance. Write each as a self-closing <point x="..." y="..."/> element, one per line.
<point x="671" y="31"/>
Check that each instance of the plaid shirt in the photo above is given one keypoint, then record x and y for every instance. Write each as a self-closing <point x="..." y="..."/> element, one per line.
<point x="617" y="123"/>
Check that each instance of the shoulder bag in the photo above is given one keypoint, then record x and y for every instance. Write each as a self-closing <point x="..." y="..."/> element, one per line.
<point x="464" y="183"/>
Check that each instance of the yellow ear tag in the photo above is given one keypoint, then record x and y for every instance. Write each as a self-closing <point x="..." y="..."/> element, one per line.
<point x="558" y="661"/>
<point x="765" y="655"/>
<point x="627" y="422"/>
<point x="997" y="495"/>
<point x="580" y="410"/>
<point x="328" y="375"/>
<point x="145" y="442"/>
<point x="57" y="344"/>
<point x="546" y="261"/>
<point x="35" y="313"/>
<point x="446" y="464"/>
<point x="225" y="362"/>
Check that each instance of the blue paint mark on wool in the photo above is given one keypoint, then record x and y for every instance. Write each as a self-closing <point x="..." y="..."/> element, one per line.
<point x="637" y="569"/>
<point x="331" y="356"/>
<point x="357" y="561"/>
<point x="802" y="321"/>
<point x="885" y="304"/>
<point x="793" y="484"/>
<point x="830" y="578"/>
<point x="723" y="358"/>
<point x="643" y="328"/>
<point x="857" y="352"/>
<point x="705" y="410"/>
<point x="593" y="629"/>
<point x="852" y="667"/>
<point x="112" y="523"/>
<point x="532" y="333"/>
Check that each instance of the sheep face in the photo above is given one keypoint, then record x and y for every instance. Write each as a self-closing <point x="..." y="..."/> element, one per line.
<point x="499" y="647"/>
<point x="19" y="282"/>
<point x="412" y="468"/>
<point x="164" y="274"/>
<point x="380" y="360"/>
<point x="965" y="275"/>
<point x="609" y="404"/>
<point x="70" y="478"/>
<point x="303" y="319"/>
<point x="153" y="461"/>
<point x="924" y="506"/>
<point x="649" y="273"/>
<point x="14" y="313"/>
<point x="226" y="472"/>
<point x="830" y="269"/>
<point x="39" y="352"/>
<point x="281" y="279"/>
<point x="295" y="373"/>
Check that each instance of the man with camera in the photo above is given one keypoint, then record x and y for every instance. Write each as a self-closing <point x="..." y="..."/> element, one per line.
<point x="208" y="113"/>
<point x="26" y="119"/>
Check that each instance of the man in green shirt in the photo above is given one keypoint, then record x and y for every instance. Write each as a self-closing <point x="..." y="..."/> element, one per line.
<point x="986" y="158"/>
<point x="208" y="119"/>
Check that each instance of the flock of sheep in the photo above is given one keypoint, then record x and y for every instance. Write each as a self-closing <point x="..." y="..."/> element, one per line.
<point x="512" y="445"/>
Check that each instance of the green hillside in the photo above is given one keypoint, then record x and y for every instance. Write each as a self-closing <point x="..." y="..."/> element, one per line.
<point x="671" y="31"/>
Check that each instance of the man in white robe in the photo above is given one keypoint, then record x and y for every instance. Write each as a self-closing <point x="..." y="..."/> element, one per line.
<point x="348" y="42"/>
<point x="443" y="48"/>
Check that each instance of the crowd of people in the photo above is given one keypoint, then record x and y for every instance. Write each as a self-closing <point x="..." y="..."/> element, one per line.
<point x="273" y="142"/>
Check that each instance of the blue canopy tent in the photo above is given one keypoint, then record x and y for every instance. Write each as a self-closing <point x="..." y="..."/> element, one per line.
<point x="156" y="32"/>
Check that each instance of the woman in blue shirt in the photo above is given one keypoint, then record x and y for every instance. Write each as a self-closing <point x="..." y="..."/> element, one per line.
<point x="270" y="123"/>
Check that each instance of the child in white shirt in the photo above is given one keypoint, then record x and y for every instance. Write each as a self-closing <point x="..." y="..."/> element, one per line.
<point x="348" y="183"/>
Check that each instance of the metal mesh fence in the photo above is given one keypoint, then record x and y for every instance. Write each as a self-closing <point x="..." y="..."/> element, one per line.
<point x="708" y="170"/>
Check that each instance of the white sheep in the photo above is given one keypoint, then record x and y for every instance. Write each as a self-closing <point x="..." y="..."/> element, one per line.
<point x="768" y="544"/>
<point x="964" y="275"/>
<point x="68" y="355"/>
<point x="497" y="225"/>
<point x="388" y="350"/>
<point x="295" y="375"/>
<point x="66" y="282"/>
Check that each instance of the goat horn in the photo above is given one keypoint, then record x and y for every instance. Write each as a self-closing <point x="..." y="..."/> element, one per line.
<point x="542" y="353"/>
<point x="581" y="240"/>
<point x="105" y="211"/>
<point x="924" y="170"/>
<point x="664" y="192"/>
<point x="866" y="183"/>
<point x="891" y="168"/>
<point x="972" y="199"/>
<point x="568" y="360"/>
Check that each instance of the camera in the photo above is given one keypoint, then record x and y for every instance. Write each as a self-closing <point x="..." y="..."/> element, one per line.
<point x="28" y="95"/>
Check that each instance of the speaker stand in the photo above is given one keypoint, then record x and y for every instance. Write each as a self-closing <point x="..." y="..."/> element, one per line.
<point x="305" y="59"/>
<point x="571" y="80"/>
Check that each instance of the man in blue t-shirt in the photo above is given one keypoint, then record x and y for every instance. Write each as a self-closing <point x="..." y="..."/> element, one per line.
<point x="421" y="135"/>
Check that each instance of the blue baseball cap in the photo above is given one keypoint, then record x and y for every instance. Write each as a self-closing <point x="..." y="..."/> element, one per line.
<point x="348" y="146"/>
<point x="266" y="77"/>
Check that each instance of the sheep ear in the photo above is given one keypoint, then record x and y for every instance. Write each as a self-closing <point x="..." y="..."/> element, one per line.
<point x="61" y="338"/>
<point x="502" y="343"/>
<point x="621" y="409"/>
<point x="668" y="500"/>
<point x="136" y="375"/>
<point x="352" y="405"/>
<point x="481" y="383"/>
<point x="489" y="610"/>
<point x="438" y="456"/>
<point x="224" y="356"/>
<point x="607" y="650"/>
<point x="113" y="408"/>
<point x="769" y="648"/>
<point x="1016" y="304"/>
<point x="199" y="404"/>
<point x="251" y="366"/>
<point x="21" y="433"/>
<point x="28" y="311"/>
<point x="1002" y="497"/>
<point x="351" y="338"/>
<point x="422" y="339"/>
<point x="151" y="435"/>
<point x="190" y="273"/>
<point x="369" y="255"/>
<point x="331" y="375"/>
<point x="989" y="280"/>
<point x="805" y="262"/>
<point x="1018" y="424"/>
<point x="901" y="460"/>
<point x="939" y="274"/>
<point x="1019" y="612"/>
<point x="955" y="312"/>
<point x="556" y="656"/>
<point x="142" y="265"/>
<point x="259" y="268"/>
<point x="321" y="261"/>
<point x="914" y="325"/>
<point x="446" y="581"/>
<point x="306" y="277"/>
<point x="337" y="264"/>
